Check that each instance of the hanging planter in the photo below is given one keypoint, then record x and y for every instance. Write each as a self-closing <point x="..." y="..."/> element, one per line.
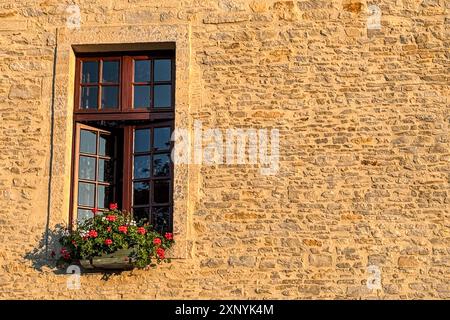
<point x="112" y="240"/>
<point x="119" y="260"/>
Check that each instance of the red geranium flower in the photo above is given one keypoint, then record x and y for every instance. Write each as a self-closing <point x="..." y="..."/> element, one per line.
<point x="108" y="242"/>
<point x="95" y="210"/>
<point x="93" y="234"/>
<point x="108" y="229"/>
<point x="157" y="241"/>
<point x="113" y="206"/>
<point x="160" y="253"/>
<point x="111" y="218"/>
<point x="65" y="254"/>
<point x="168" y="236"/>
<point x="123" y="229"/>
<point x="141" y="230"/>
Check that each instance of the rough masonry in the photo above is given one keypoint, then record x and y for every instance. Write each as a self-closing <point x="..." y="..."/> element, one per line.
<point x="364" y="176"/>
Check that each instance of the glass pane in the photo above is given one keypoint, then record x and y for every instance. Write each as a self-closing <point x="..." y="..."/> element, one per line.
<point x="106" y="145"/>
<point x="141" y="140"/>
<point x="163" y="96"/>
<point x="110" y="71"/>
<point x="161" y="139"/>
<point x="110" y="97"/>
<point x="105" y="172"/>
<point x="141" y="70"/>
<point x="161" y="219"/>
<point x="89" y="97"/>
<point x="86" y="194"/>
<point x="141" y="194"/>
<point x="104" y="196"/>
<point x="141" y="97"/>
<point x="88" y="142"/>
<point x="86" y="168"/>
<point x="163" y="70"/>
<point x="141" y="167"/>
<point x="161" y="191"/>
<point x="83" y="215"/>
<point x="161" y="165"/>
<point x="90" y="72"/>
<point x="141" y="214"/>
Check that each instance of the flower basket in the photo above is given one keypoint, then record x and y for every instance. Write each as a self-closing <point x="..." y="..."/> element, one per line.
<point x="119" y="260"/>
<point x="112" y="240"/>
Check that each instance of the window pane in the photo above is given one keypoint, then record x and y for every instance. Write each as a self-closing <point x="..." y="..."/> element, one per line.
<point x="86" y="194"/>
<point x="86" y="168"/>
<point x="163" y="96"/>
<point x="110" y="97"/>
<point x="83" y="215"/>
<point x="141" y="167"/>
<point x="105" y="172"/>
<point x="161" y="191"/>
<point x="163" y="70"/>
<point x="90" y="72"/>
<point x="141" y="214"/>
<point x="89" y="97"/>
<point x="141" y="70"/>
<point x="141" y="194"/>
<point x="88" y="142"/>
<point x="142" y="140"/>
<point x="110" y="71"/>
<point x="161" y="139"/>
<point x="141" y="97"/>
<point x="161" y="219"/>
<point x="104" y="196"/>
<point x="161" y="165"/>
<point x="106" y="145"/>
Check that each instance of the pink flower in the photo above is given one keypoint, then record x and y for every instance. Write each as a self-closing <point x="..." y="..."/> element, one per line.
<point x="123" y="229"/>
<point x="157" y="241"/>
<point x="93" y="234"/>
<point x="160" y="253"/>
<point x="168" y="236"/>
<point x="111" y="218"/>
<point x="113" y="206"/>
<point x="141" y="230"/>
<point x="108" y="242"/>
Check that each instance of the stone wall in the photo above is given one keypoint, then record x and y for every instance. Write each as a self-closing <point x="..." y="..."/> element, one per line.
<point x="364" y="173"/>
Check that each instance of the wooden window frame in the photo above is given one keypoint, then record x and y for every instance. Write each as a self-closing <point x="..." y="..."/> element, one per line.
<point x="125" y="109"/>
<point x="125" y="112"/>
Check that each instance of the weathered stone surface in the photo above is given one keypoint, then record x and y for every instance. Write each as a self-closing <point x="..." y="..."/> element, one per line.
<point x="242" y="261"/>
<point x="364" y="146"/>
<point x="24" y="92"/>
<point x="320" y="260"/>
<point x="405" y="262"/>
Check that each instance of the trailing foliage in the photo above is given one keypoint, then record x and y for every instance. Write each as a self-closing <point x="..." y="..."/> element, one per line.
<point x="112" y="230"/>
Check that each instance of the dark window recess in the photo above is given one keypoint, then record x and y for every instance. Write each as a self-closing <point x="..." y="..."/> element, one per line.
<point x="123" y="120"/>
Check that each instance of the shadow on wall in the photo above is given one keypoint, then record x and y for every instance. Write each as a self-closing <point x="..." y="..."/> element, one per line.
<point x="41" y="256"/>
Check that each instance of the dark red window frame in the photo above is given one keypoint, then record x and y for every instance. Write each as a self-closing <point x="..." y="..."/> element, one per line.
<point x="125" y="113"/>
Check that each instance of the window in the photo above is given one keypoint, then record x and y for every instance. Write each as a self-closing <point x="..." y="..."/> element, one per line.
<point x="123" y="122"/>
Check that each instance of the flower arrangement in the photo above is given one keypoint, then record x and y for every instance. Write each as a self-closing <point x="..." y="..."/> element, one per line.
<point x="112" y="230"/>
